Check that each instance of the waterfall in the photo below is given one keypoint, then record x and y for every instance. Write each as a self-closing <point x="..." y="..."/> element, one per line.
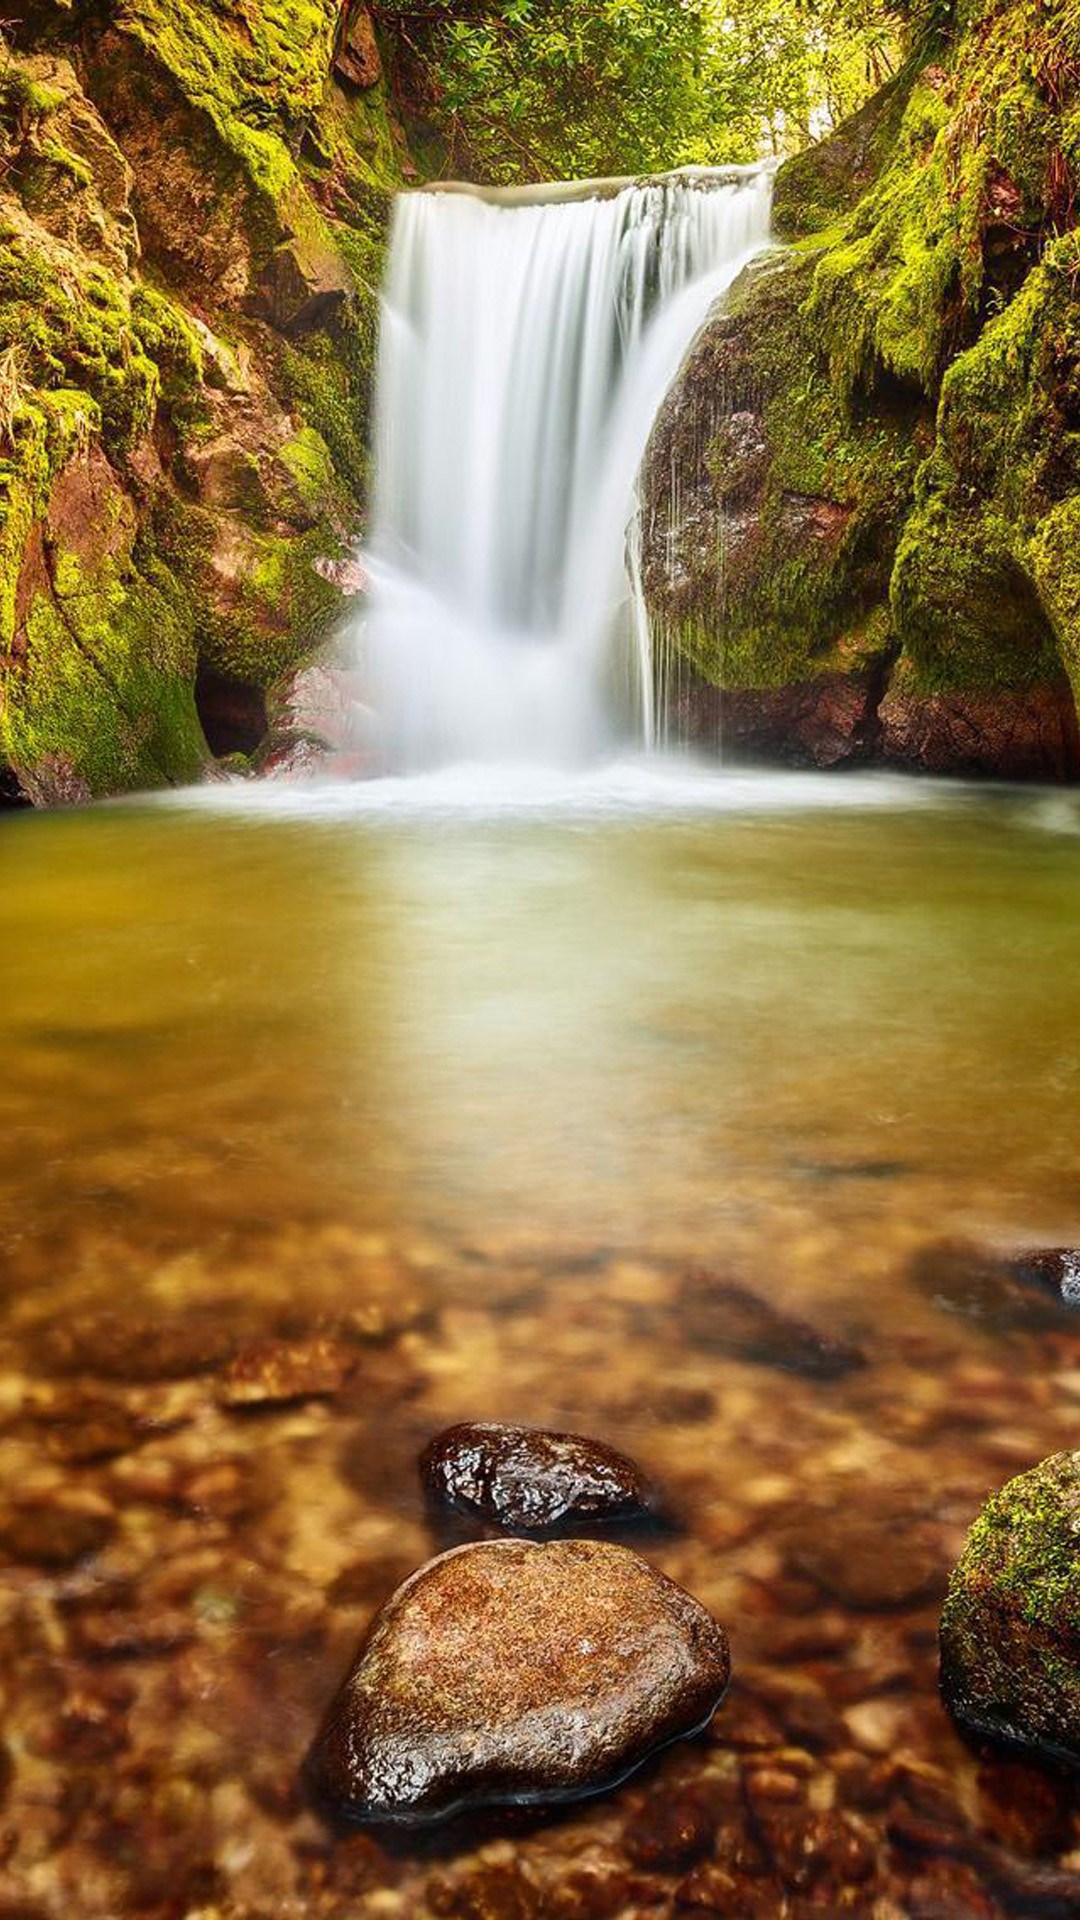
<point x="527" y="344"/>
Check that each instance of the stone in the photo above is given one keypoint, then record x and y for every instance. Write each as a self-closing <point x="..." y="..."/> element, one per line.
<point x="128" y="1347"/>
<point x="1003" y="1294"/>
<point x="825" y="722"/>
<point x="1007" y="733"/>
<point x="530" y="1480"/>
<point x="719" y="1316"/>
<point x="516" y="1671"/>
<point x="357" y="57"/>
<point x="84" y="1429"/>
<point x="303" y="284"/>
<point x="1055" y="1270"/>
<point x="275" y="1372"/>
<point x="1010" y="1626"/>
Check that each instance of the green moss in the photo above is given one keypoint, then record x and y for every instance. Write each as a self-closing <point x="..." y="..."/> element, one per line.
<point x="77" y="332"/>
<point x="168" y="338"/>
<point x="329" y="384"/>
<point x="92" y="696"/>
<point x="816" y="189"/>
<point x="1009" y="1641"/>
<point x="1054" y="559"/>
<point x="101" y="686"/>
<point x="977" y="146"/>
<point x="966" y="609"/>
<point x="256" y="71"/>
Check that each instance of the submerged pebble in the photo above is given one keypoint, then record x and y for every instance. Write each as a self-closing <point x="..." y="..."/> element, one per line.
<point x="275" y="1372"/>
<point x="130" y="1348"/>
<point x="530" y="1480"/>
<point x="720" y="1316"/>
<point x="517" y="1671"/>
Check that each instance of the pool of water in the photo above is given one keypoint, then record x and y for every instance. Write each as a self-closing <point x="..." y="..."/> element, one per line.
<point x="470" y="1085"/>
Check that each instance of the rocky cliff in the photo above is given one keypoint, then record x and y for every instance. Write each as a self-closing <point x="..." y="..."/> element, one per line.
<point x="192" y="205"/>
<point x="862" y="501"/>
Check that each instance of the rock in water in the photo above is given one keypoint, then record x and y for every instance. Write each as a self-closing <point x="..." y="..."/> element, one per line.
<point x="1029" y="1292"/>
<point x="1055" y="1269"/>
<point x="719" y="1316"/>
<point x="1010" y="1627"/>
<point x="529" y="1480"/>
<point x="517" y="1671"/>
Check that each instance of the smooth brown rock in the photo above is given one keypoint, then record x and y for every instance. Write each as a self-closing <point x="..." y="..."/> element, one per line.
<point x="512" y="1671"/>
<point x="720" y="1316"/>
<point x="530" y="1480"/>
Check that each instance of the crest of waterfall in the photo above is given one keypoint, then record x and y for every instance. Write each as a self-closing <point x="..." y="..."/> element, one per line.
<point x="527" y="345"/>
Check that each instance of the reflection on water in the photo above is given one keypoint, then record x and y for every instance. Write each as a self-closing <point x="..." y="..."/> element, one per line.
<point x="467" y="1090"/>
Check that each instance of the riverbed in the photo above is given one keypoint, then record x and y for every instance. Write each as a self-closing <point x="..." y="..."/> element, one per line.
<point x="465" y="1095"/>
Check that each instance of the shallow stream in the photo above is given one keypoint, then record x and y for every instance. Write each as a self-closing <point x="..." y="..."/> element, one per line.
<point x="468" y="1087"/>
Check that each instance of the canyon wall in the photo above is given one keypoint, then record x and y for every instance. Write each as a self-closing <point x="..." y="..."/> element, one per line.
<point x="862" y="500"/>
<point x="192" y="207"/>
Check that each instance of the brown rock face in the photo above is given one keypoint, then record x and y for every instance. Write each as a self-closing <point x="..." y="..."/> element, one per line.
<point x="357" y="57"/>
<point x="823" y="722"/>
<point x="513" y="1671"/>
<point x="1008" y="734"/>
<point x="529" y="1480"/>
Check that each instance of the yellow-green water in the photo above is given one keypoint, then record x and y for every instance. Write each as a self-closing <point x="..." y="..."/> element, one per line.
<point x="266" y="1063"/>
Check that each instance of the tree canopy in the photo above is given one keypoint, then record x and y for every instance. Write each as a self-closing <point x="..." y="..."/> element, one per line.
<point x="533" y="89"/>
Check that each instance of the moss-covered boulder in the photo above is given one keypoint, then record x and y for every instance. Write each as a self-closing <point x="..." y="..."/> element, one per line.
<point x="899" y="550"/>
<point x="1010" y="1628"/>
<point x="192" y="212"/>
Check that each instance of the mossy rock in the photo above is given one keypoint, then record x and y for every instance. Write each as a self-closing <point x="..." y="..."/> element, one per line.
<point x="1010" y="1627"/>
<point x="817" y="188"/>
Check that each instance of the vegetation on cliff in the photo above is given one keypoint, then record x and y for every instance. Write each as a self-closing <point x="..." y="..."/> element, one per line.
<point x="192" y="208"/>
<point x="910" y="366"/>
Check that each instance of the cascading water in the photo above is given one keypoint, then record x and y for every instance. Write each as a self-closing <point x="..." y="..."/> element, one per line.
<point x="527" y="346"/>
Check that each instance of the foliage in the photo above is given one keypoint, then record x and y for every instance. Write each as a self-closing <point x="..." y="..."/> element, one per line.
<point x="533" y="89"/>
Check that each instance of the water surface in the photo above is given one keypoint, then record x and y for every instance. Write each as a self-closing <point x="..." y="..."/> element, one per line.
<point x="469" y="1082"/>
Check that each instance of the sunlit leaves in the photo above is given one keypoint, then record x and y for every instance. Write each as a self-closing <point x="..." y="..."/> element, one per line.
<point x="521" y="89"/>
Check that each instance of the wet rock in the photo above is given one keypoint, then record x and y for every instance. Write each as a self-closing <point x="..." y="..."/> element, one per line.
<point x="720" y="1316"/>
<point x="530" y="1480"/>
<point x="1003" y="1294"/>
<point x="1026" y="733"/>
<point x="823" y="722"/>
<point x="46" y="1533"/>
<point x="275" y="1372"/>
<point x="1054" y="1269"/>
<point x="513" y="1671"/>
<point x="1010" y="1627"/>
<point x="128" y="1347"/>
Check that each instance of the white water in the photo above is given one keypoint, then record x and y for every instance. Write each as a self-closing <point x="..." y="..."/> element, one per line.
<point x="527" y="346"/>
